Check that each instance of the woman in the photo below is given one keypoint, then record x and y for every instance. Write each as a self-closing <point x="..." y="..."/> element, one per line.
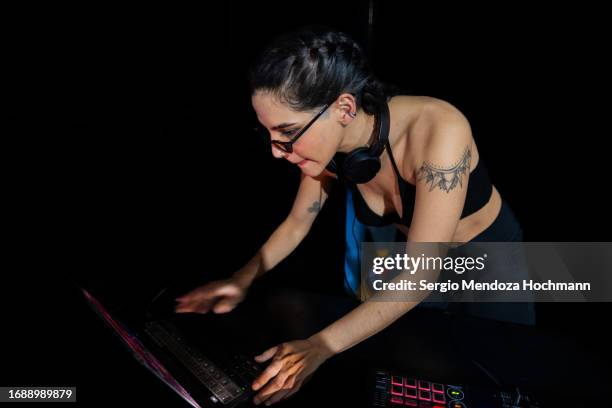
<point x="314" y="93"/>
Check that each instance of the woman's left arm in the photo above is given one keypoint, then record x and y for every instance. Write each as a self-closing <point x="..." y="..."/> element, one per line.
<point x="441" y="189"/>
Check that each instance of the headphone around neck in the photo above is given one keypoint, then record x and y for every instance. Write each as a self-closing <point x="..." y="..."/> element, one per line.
<point x="361" y="165"/>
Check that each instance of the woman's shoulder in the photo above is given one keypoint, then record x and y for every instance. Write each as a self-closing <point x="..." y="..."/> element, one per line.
<point x="433" y="129"/>
<point x="425" y="110"/>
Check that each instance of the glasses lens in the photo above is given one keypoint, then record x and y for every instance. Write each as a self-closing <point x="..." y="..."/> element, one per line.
<point x="280" y="146"/>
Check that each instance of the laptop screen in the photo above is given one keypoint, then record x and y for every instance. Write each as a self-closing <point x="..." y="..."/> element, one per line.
<point x="141" y="353"/>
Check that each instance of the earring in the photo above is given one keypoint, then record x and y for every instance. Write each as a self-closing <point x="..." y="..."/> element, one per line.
<point x="352" y="114"/>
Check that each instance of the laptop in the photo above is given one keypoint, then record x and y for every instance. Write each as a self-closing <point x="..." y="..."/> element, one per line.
<point x="181" y="350"/>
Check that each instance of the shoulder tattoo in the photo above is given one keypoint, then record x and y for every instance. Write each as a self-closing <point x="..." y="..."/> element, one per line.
<point x="446" y="178"/>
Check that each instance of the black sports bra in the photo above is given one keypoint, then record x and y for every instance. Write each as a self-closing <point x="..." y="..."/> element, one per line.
<point x="478" y="194"/>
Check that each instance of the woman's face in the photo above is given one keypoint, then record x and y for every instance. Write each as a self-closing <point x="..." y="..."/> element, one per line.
<point x="314" y="149"/>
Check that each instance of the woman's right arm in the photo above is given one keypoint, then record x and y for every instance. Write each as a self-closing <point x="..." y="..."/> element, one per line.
<point x="310" y="198"/>
<point x="224" y="295"/>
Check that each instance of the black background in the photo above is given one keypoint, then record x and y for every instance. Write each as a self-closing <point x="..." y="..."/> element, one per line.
<point x="129" y="161"/>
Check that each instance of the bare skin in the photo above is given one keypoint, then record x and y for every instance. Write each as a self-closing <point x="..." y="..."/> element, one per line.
<point x="412" y="118"/>
<point x="434" y="149"/>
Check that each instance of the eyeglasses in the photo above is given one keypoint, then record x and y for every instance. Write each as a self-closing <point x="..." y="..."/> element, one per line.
<point x="287" y="147"/>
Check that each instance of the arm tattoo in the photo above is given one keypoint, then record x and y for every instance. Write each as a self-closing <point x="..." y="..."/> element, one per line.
<point x="445" y="178"/>
<point x="316" y="207"/>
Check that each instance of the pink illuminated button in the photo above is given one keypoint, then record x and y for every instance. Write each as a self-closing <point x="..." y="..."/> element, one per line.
<point x="437" y="387"/>
<point x="397" y="390"/>
<point x="425" y="395"/>
<point x="397" y="380"/>
<point x="397" y="400"/>
<point x="439" y="397"/>
<point x="410" y="392"/>
<point x="424" y="385"/>
<point x="410" y="382"/>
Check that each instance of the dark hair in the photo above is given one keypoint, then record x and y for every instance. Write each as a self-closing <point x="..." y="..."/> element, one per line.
<point x="313" y="65"/>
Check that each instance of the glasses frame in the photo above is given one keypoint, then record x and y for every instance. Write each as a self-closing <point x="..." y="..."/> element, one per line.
<point x="287" y="147"/>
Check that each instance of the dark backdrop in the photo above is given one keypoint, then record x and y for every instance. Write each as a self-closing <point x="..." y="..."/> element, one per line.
<point x="134" y="165"/>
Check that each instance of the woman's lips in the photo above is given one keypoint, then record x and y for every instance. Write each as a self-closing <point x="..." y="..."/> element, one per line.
<point x="303" y="162"/>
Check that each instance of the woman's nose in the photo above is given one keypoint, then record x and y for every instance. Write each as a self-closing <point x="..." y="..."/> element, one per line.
<point x="278" y="153"/>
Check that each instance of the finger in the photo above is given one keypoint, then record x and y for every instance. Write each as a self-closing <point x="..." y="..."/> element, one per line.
<point x="186" y="297"/>
<point x="296" y="385"/>
<point x="276" y="397"/>
<point x="269" y="373"/>
<point x="194" y="306"/>
<point x="266" y="355"/>
<point x="268" y="391"/>
<point x="186" y="302"/>
<point x="184" y="308"/>
<point x="278" y="383"/>
<point x="183" y="300"/>
<point x="215" y="292"/>
<point x="224" y="306"/>
<point x="202" y="308"/>
<point x="187" y="307"/>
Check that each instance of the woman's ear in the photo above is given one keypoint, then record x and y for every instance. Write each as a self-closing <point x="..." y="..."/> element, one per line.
<point x="347" y="108"/>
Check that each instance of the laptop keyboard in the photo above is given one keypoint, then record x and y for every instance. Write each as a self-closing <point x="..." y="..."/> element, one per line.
<point x="243" y="369"/>
<point x="226" y="383"/>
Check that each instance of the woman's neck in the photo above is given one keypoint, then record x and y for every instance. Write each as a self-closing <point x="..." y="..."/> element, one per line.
<point x="358" y="133"/>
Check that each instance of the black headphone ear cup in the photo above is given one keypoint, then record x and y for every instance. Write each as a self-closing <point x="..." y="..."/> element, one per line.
<point x="360" y="166"/>
<point x="363" y="163"/>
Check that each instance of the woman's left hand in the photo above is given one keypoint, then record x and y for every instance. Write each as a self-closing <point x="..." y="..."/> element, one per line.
<point x="292" y="363"/>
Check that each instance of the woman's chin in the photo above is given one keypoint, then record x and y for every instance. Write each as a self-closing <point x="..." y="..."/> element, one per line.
<point x="311" y="169"/>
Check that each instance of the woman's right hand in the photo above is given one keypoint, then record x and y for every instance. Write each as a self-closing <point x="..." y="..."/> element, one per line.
<point x="220" y="296"/>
